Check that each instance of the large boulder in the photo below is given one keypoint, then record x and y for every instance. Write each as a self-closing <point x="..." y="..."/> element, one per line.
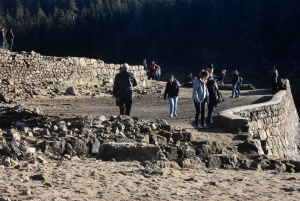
<point x="129" y="151"/>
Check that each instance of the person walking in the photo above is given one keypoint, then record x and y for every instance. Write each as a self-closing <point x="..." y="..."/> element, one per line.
<point x="158" y="72"/>
<point x="200" y="94"/>
<point x="2" y="38"/>
<point x="152" y="70"/>
<point x="211" y="85"/>
<point x="10" y="39"/>
<point x="123" y="89"/>
<point x="172" y="90"/>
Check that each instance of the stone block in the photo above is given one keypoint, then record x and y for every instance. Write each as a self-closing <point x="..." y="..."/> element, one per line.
<point x="129" y="151"/>
<point x="191" y="163"/>
<point x="275" y="153"/>
<point x="262" y="134"/>
<point x="54" y="147"/>
<point x="171" y="153"/>
<point x="158" y="140"/>
<point x="214" y="162"/>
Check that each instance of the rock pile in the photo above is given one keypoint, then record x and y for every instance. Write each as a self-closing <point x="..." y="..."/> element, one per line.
<point x="26" y="132"/>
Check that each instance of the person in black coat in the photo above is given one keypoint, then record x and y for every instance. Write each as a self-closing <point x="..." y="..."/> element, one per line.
<point x="123" y="89"/>
<point x="10" y="39"/>
<point x="211" y="85"/>
<point x="172" y="90"/>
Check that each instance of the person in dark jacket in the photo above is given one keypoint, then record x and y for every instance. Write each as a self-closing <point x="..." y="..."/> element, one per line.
<point x="10" y="39"/>
<point x="2" y="38"/>
<point x="234" y="82"/>
<point x="172" y="90"/>
<point x="123" y="89"/>
<point x="274" y="77"/>
<point x="211" y="84"/>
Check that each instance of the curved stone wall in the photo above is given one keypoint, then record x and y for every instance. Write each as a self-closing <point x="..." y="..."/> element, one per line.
<point x="31" y="67"/>
<point x="272" y="126"/>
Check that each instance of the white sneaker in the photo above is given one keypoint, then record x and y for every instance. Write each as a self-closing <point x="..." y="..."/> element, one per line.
<point x="175" y="115"/>
<point x="171" y="115"/>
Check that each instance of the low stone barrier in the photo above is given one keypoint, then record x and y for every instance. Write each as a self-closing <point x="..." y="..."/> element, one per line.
<point x="273" y="126"/>
<point x="33" y="68"/>
<point x="242" y="87"/>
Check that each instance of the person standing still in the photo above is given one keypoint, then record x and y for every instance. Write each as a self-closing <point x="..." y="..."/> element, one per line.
<point x="152" y="70"/>
<point x="10" y="39"/>
<point x="2" y="38"/>
<point x="172" y="90"/>
<point x="158" y="72"/>
<point x="234" y="82"/>
<point x="200" y="94"/>
<point x="211" y="84"/>
<point x="146" y="67"/>
<point x="123" y="89"/>
<point x="274" y="77"/>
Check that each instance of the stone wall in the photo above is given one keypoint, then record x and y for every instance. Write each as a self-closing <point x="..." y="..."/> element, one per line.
<point x="272" y="127"/>
<point x="31" y="67"/>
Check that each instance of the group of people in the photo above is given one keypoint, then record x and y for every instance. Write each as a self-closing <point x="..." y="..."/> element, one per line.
<point x="154" y="70"/>
<point x="204" y="93"/>
<point x="9" y="36"/>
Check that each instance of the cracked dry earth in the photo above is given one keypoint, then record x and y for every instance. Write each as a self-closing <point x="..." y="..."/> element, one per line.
<point x="90" y="179"/>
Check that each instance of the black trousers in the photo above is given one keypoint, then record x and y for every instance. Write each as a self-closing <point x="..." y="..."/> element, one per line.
<point x="274" y="86"/>
<point x="152" y="73"/>
<point x="200" y="108"/>
<point x="125" y="106"/>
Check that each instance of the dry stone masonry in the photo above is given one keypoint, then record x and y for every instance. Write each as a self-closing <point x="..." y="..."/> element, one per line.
<point x="33" y="68"/>
<point x="272" y="127"/>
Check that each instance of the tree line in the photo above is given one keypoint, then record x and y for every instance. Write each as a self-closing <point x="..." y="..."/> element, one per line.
<point x="177" y="32"/>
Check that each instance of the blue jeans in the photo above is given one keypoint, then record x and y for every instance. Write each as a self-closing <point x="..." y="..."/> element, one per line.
<point x="211" y="108"/>
<point x="173" y="105"/>
<point x="234" y="90"/>
<point x="2" y="43"/>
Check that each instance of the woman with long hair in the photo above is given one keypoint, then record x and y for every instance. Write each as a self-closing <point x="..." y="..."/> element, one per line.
<point x="200" y="94"/>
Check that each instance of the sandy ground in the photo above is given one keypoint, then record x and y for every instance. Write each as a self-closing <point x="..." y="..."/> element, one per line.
<point x="91" y="179"/>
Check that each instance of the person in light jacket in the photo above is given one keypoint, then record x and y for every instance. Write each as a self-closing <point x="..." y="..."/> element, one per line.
<point x="200" y="94"/>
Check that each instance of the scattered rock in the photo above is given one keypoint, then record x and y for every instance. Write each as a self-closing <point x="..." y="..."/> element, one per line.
<point x="6" y="162"/>
<point x="42" y="177"/>
<point x="71" y="91"/>
<point x="214" y="163"/>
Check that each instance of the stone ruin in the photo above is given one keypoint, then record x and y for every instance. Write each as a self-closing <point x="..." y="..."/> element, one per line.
<point x="28" y="134"/>
<point x="34" y="73"/>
